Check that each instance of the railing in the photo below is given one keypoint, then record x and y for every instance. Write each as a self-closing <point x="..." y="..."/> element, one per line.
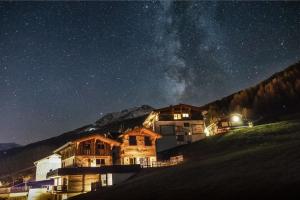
<point x="175" y="160"/>
<point x="19" y="189"/>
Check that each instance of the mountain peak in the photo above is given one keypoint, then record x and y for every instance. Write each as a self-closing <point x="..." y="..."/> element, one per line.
<point x="124" y="114"/>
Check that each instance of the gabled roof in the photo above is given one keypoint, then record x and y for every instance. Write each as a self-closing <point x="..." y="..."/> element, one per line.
<point x="98" y="136"/>
<point x="178" y="105"/>
<point x="142" y="130"/>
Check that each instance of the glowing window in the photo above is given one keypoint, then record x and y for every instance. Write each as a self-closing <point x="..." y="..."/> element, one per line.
<point x="185" y="115"/>
<point x="177" y="116"/>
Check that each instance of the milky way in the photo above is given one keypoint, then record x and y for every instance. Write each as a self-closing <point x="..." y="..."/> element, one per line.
<point x="65" y="64"/>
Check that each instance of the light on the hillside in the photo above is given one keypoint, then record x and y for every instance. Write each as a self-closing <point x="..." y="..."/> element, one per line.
<point x="206" y="131"/>
<point x="236" y="118"/>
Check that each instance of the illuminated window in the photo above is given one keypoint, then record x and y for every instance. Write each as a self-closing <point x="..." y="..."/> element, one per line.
<point x="177" y="116"/>
<point x="185" y="115"/>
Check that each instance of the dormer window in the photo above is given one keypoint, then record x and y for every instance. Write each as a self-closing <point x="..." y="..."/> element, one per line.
<point x="177" y="116"/>
<point x="185" y="115"/>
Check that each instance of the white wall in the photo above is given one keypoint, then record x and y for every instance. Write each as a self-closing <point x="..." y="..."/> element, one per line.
<point x="43" y="166"/>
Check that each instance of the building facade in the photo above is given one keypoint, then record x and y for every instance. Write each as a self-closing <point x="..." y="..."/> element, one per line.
<point x="138" y="146"/>
<point x="179" y="124"/>
<point x="91" y="151"/>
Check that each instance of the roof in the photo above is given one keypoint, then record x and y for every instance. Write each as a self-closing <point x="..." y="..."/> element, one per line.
<point x="46" y="158"/>
<point x="178" y="105"/>
<point x="99" y="136"/>
<point x="94" y="170"/>
<point x="142" y="130"/>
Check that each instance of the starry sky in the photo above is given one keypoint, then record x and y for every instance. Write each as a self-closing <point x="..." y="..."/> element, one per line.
<point x="65" y="64"/>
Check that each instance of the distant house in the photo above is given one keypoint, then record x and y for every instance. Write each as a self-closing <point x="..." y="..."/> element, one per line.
<point x="178" y="124"/>
<point x="90" y="151"/>
<point x="44" y="165"/>
<point x="226" y="123"/>
<point x="138" y="146"/>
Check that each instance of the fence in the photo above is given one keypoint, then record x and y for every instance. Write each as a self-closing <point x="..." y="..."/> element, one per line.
<point x="175" y="160"/>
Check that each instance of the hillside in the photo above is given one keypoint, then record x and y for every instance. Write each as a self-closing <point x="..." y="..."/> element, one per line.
<point x="276" y="96"/>
<point x="249" y="163"/>
<point x="10" y="159"/>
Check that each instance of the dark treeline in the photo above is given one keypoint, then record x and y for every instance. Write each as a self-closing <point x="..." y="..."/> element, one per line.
<point x="277" y="96"/>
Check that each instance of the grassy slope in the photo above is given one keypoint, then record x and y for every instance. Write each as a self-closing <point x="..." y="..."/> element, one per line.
<point x="263" y="161"/>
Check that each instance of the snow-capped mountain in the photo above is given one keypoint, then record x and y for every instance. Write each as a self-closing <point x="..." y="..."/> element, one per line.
<point x="124" y="114"/>
<point x="6" y="146"/>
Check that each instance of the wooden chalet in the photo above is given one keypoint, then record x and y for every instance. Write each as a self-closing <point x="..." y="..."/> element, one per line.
<point x="138" y="146"/>
<point x="91" y="151"/>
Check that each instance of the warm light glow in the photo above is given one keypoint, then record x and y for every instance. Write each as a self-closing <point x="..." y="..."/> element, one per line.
<point x="235" y="118"/>
<point x="177" y="116"/>
<point x="250" y="124"/>
<point x="185" y="115"/>
<point x="206" y="131"/>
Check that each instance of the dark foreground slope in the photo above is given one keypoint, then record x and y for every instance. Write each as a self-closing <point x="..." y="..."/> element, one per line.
<point x="257" y="163"/>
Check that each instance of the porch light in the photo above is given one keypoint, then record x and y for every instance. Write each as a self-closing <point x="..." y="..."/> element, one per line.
<point x="236" y="118"/>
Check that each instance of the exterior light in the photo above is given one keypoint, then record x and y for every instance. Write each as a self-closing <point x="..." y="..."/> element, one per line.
<point x="236" y="118"/>
<point x="250" y="124"/>
<point x="185" y="115"/>
<point x="206" y="131"/>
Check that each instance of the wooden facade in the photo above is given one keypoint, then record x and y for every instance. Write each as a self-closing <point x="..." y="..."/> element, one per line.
<point x="138" y="146"/>
<point x="92" y="151"/>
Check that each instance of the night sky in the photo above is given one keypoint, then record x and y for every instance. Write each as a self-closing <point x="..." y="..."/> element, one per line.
<point x="63" y="65"/>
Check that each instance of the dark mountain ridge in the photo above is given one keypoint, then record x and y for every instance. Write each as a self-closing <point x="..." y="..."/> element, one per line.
<point x="274" y="97"/>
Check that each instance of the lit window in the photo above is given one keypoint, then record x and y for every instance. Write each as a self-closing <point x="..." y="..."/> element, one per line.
<point x="185" y="115"/>
<point x="177" y="116"/>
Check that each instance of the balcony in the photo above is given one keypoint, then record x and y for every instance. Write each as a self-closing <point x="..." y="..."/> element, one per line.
<point x="19" y="189"/>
